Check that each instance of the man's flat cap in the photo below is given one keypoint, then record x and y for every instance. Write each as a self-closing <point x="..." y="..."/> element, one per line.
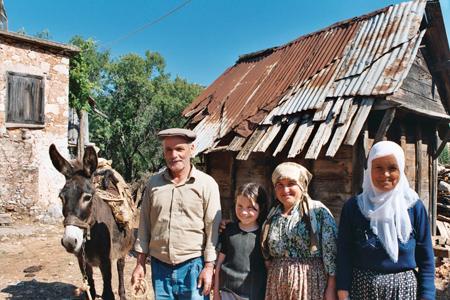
<point x="182" y="132"/>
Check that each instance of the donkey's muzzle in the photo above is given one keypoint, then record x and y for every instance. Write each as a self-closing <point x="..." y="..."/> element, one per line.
<point x="72" y="239"/>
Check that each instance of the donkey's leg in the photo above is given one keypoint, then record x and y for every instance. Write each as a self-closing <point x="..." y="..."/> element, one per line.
<point x="88" y="268"/>
<point x="120" y="267"/>
<point x="105" y="268"/>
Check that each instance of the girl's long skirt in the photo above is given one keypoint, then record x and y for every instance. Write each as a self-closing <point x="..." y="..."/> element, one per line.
<point x="379" y="286"/>
<point x="291" y="278"/>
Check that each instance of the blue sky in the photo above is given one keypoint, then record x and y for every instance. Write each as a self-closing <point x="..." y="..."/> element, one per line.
<point x="198" y="41"/>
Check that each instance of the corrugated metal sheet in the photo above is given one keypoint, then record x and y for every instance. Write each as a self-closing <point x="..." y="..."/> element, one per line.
<point x="362" y="57"/>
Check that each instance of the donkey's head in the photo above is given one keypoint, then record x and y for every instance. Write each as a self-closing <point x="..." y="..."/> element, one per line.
<point x="76" y="196"/>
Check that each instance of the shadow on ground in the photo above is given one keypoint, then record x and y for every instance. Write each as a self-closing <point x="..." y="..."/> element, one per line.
<point x="40" y="290"/>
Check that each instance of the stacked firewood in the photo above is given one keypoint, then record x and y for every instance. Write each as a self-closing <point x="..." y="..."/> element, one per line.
<point x="442" y="240"/>
<point x="443" y="201"/>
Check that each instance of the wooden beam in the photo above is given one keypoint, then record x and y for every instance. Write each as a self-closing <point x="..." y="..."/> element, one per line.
<point x="341" y="131"/>
<point x="301" y="137"/>
<point x="236" y="143"/>
<point x="388" y="117"/>
<point x="347" y="107"/>
<point x="359" y="120"/>
<point x="441" y="251"/>
<point x="383" y="104"/>
<point x="322" y="113"/>
<point x="443" y="218"/>
<point x="359" y="160"/>
<point x="252" y="141"/>
<point x="419" y="160"/>
<point x="324" y="131"/>
<point x="287" y="134"/>
<point x="433" y="183"/>
<point x="443" y="143"/>
<point x="268" y="137"/>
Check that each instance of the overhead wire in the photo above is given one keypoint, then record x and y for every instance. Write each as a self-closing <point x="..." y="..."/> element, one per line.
<point x="145" y="26"/>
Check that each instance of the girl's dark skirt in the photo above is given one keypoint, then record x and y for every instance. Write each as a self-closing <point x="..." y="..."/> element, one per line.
<point x="370" y="285"/>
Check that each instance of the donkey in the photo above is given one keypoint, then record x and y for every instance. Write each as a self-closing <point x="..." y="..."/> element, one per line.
<point x="91" y="232"/>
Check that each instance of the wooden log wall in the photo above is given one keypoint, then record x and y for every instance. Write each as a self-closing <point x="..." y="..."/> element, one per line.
<point x="413" y="133"/>
<point x="220" y="166"/>
<point x="337" y="179"/>
<point x="332" y="181"/>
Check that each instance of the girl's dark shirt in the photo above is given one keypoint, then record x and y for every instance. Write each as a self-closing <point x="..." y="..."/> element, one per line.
<point x="243" y="272"/>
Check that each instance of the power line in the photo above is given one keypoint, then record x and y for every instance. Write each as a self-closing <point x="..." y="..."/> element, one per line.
<point x="147" y="25"/>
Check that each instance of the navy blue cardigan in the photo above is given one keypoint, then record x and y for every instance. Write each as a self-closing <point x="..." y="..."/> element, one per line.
<point x="359" y="248"/>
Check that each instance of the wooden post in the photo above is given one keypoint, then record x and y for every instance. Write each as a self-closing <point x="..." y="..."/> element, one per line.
<point x="233" y="187"/>
<point x="433" y="182"/>
<point x="360" y="152"/>
<point x="442" y="143"/>
<point x="83" y="134"/>
<point x="385" y="124"/>
<point x="403" y="138"/>
<point x="419" y="161"/>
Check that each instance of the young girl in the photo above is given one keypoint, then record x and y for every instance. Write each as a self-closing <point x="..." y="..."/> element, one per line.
<point x="240" y="272"/>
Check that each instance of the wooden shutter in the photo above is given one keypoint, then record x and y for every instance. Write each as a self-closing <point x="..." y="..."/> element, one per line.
<point x="25" y="99"/>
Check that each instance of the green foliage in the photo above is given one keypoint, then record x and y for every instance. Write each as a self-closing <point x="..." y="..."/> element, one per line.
<point x="444" y="157"/>
<point x="140" y="99"/>
<point x="85" y="73"/>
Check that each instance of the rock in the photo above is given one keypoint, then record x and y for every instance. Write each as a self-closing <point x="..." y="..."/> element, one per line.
<point x="5" y="219"/>
<point x="33" y="269"/>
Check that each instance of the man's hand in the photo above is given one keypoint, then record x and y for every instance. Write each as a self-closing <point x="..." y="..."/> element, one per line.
<point x="330" y="290"/>
<point x="139" y="270"/>
<point x="138" y="273"/>
<point x="343" y="295"/>
<point x="205" y="278"/>
<point x="223" y="224"/>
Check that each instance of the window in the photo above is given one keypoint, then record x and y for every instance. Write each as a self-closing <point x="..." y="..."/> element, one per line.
<point x="25" y="99"/>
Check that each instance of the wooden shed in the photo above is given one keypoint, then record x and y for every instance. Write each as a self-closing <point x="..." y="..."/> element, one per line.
<point x="324" y="98"/>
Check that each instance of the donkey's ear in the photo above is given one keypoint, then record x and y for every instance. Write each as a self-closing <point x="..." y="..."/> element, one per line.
<point x="59" y="162"/>
<point x="89" y="161"/>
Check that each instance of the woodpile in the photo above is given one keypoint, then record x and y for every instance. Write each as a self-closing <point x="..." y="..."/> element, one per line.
<point x="442" y="240"/>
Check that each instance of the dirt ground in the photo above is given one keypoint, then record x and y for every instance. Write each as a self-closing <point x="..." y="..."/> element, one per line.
<point x="34" y="265"/>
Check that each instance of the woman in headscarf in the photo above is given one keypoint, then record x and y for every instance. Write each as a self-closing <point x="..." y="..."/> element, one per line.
<point x="298" y="240"/>
<point x="384" y="235"/>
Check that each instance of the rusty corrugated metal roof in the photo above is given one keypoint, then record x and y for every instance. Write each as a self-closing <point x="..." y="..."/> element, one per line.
<point x="360" y="58"/>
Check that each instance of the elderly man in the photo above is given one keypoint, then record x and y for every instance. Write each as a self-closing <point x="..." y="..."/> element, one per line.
<point x="179" y="222"/>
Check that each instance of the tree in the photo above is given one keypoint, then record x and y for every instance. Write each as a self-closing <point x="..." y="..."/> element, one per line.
<point x="86" y="69"/>
<point x="140" y="99"/>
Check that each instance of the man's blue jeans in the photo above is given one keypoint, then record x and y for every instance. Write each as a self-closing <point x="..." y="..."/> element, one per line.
<point x="177" y="282"/>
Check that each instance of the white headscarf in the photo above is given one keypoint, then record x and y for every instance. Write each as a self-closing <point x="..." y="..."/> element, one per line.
<point x="388" y="211"/>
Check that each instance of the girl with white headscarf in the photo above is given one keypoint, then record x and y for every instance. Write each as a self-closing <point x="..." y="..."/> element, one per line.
<point x="384" y="235"/>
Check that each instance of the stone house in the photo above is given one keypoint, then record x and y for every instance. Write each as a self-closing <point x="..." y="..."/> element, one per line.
<point x="34" y="90"/>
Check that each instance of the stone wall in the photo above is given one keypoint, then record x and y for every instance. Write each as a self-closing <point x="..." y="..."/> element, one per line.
<point x="29" y="183"/>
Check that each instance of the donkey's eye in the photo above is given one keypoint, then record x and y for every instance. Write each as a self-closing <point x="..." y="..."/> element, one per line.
<point x="87" y="197"/>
